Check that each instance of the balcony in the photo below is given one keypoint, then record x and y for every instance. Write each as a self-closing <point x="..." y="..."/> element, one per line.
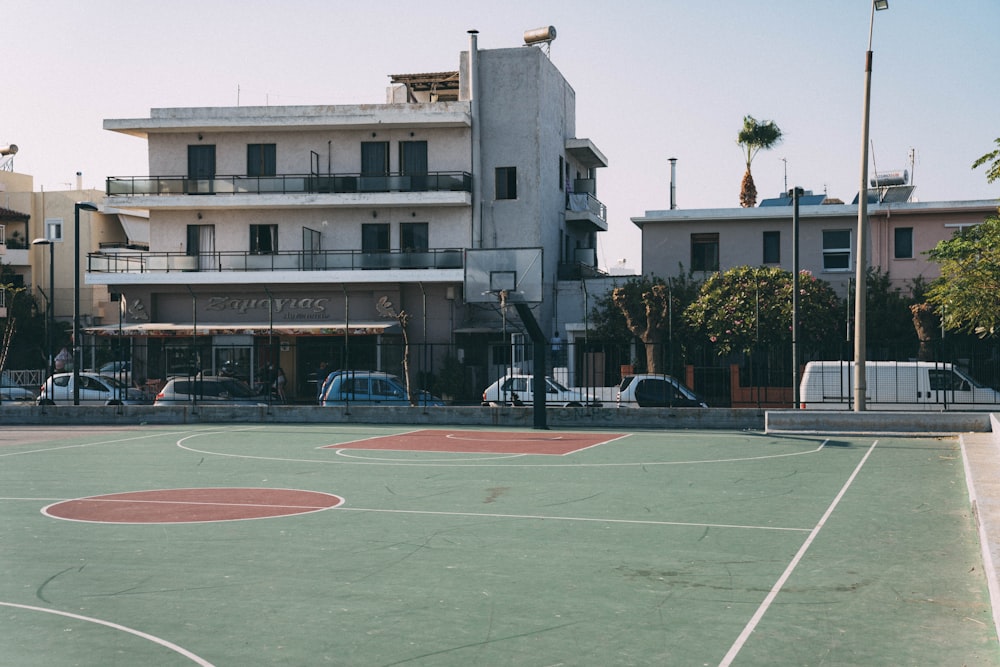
<point x="291" y="184"/>
<point x="124" y="266"/>
<point x="586" y="210"/>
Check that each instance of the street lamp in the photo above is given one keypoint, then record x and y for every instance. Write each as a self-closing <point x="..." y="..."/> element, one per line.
<point x="49" y="305"/>
<point x="77" y="349"/>
<point x="861" y="279"/>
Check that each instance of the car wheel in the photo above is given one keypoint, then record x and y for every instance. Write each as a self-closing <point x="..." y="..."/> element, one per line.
<point x="114" y="401"/>
<point x="574" y="405"/>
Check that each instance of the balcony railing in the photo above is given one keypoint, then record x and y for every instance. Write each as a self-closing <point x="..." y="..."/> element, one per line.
<point x="435" y="181"/>
<point x="586" y="203"/>
<point x="322" y="260"/>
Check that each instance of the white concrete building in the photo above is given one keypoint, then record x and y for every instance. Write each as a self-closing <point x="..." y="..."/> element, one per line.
<point x="268" y="235"/>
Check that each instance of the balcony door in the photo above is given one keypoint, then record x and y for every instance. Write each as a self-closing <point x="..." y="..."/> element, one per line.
<point x="413" y="165"/>
<point x="374" y="166"/>
<point x="201" y="169"/>
<point x="201" y="244"/>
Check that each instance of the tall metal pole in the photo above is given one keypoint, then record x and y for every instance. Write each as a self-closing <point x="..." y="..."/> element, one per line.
<point x="50" y="320"/>
<point x="795" y="193"/>
<point x="861" y="263"/>
<point x="77" y="347"/>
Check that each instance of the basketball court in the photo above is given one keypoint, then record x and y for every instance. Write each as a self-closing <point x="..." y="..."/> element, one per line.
<point x="355" y="545"/>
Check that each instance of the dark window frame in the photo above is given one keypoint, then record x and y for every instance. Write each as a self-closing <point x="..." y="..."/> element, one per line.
<point x="705" y="252"/>
<point x="264" y="239"/>
<point x="902" y="248"/>
<point x="505" y="183"/>
<point x="771" y="247"/>
<point x="414" y="237"/>
<point x="262" y="160"/>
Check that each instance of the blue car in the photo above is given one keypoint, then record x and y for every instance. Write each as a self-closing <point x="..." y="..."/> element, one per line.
<point x="369" y="387"/>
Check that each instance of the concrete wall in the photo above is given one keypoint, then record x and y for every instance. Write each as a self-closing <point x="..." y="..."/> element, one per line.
<point x="779" y="421"/>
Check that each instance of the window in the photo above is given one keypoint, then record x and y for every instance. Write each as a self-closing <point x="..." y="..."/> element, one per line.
<point x="263" y="239"/>
<point x="413" y="163"/>
<point x="704" y="252"/>
<point x="837" y="250"/>
<point x="201" y="162"/>
<point x="375" y="237"/>
<point x="374" y="158"/>
<point x="903" y="243"/>
<point x="54" y="229"/>
<point x="772" y="247"/>
<point x="561" y="180"/>
<point x="201" y="243"/>
<point x="261" y="160"/>
<point x="413" y="237"/>
<point x="506" y="183"/>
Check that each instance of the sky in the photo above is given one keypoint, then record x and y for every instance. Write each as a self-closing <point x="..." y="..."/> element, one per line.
<point x="654" y="80"/>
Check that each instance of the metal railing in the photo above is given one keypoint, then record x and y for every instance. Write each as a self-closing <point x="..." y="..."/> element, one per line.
<point x="584" y="202"/>
<point x="295" y="260"/>
<point x="349" y="183"/>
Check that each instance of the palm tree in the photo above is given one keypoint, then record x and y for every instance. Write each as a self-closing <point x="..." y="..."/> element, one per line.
<point x="754" y="136"/>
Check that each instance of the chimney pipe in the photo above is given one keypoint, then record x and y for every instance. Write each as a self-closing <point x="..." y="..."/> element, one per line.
<point x="673" y="183"/>
<point x="79" y="180"/>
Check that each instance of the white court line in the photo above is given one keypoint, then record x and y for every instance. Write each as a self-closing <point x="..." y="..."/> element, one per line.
<point x="437" y="463"/>
<point x="93" y="444"/>
<point x="115" y="626"/>
<point x="538" y="517"/>
<point x="779" y="584"/>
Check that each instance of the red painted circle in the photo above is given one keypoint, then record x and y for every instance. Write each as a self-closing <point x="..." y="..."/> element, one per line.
<point x="192" y="505"/>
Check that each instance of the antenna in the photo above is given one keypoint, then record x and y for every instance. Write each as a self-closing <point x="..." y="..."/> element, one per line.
<point x="913" y="166"/>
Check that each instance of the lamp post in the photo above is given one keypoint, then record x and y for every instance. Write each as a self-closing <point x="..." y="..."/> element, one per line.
<point x="77" y="349"/>
<point x="49" y="305"/>
<point x="861" y="264"/>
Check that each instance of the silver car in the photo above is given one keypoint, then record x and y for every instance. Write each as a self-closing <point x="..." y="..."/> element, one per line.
<point x="95" y="389"/>
<point x="208" y="390"/>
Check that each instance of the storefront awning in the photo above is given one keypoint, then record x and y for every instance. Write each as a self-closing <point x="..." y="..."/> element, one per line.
<point x="165" y="330"/>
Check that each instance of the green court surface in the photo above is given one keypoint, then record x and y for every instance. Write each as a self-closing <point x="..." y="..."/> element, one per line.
<point x="642" y="548"/>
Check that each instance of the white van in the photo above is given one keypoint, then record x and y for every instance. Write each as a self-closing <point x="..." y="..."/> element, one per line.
<point x="894" y="385"/>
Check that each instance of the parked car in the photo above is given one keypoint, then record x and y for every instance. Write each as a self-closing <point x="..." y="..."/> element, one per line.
<point x="95" y="389"/>
<point x="372" y="387"/>
<point x="120" y="370"/>
<point x="519" y="390"/>
<point x="10" y="392"/>
<point x="894" y="385"/>
<point x="209" y="390"/>
<point x="650" y="390"/>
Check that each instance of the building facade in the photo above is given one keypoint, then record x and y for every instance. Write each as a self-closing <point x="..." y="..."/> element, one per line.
<point x="702" y="241"/>
<point x="292" y="236"/>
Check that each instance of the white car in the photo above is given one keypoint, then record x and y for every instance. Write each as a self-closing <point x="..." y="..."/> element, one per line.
<point x="519" y="390"/>
<point x="650" y="390"/>
<point x="95" y="389"/>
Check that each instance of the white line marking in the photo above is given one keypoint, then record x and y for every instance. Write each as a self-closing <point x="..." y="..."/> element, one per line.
<point x="779" y="584"/>
<point x="115" y="626"/>
<point x="92" y="444"/>
<point x="484" y="465"/>
<point x="536" y="517"/>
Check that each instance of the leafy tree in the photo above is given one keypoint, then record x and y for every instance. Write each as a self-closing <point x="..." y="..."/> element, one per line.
<point x="993" y="158"/>
<point x="22" y="330"/>
<point x="754" y="136"/>
<point x="889" y="317"/>
<point x="749" y="306"/>
<point x="642" y="308"/>
<point x="967" y="294"/>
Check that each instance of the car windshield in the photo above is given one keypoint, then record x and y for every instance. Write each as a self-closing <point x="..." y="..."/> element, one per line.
<point x="555" y="385"/>
<point x="114" y="382"/>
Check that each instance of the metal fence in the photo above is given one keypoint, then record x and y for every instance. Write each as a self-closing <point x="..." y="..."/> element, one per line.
<point x="459" y="372"/>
